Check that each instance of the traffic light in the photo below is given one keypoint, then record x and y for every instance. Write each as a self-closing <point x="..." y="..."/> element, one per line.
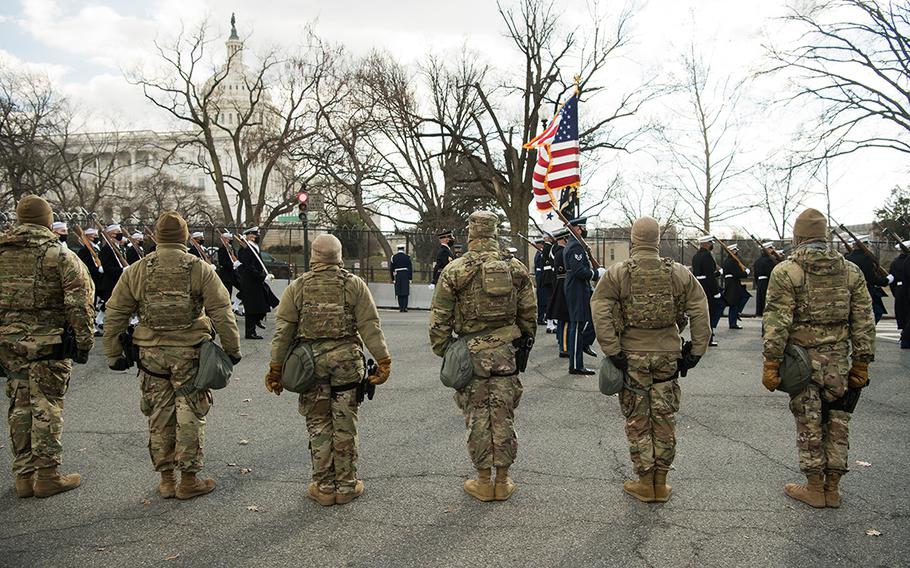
<point x="302" y="199"/>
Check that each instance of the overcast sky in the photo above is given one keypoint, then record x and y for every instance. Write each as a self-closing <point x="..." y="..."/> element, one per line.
<point x="85" y="46"/>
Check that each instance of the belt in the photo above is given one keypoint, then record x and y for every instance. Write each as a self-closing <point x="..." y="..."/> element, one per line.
<point x="701" y="277"/>
<point x="548" y="268"/>
<point x="762" y="277"/>
<point x="400" y="269"/>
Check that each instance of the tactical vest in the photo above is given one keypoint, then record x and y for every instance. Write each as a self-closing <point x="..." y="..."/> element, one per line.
<point x="490" y="294"/>
<point x="821" y="298"/>
<point x="30" y="282"/>
<point x="650" y="304"/>
<point x="168" y="302"/>
<point x="327" y="312"/>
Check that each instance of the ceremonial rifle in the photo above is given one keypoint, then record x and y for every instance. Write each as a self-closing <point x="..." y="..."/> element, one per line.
<point x="842" y="240"/>
<point x="80" y="234"/>
<point x="227" y="245"/>
<point x="764" y="249"/>
<point x="240" y="240"/>
<point x="732" y="255"/>
<point x="121" y="260"/>
<point x="529" y="241"/>
<point x="129" y="236"/>
<point x="150" y="234"/>
<point x="201" y="250"/>
<point x="578" y="238"/>
<point x="892" y="235"/>
<point x="862" y="246"/>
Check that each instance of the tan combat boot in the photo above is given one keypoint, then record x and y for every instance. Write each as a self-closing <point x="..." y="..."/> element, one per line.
<point x="25" y="485"/>
<point x="167" y="487"/>
<point x="342" y="498"/>
<point x="812" y="493"/>
<point x="661" y="489"/>
<point x="832" y="492"/>
<point x="643" y="489"/>
<point x="482" y="487"/>
<point x="504" y="486"/>
<point x="190" y="486"/>
<point x="324" y="499"/>
<point x="48" y="482"/>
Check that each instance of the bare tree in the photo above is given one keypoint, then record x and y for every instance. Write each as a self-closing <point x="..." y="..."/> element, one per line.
<point x="655" y="201"/>
<point x="159" y="192"/>
<point x="704" y="148"/>
<point x="784" y="189"/>
<point x="853" y="57"/>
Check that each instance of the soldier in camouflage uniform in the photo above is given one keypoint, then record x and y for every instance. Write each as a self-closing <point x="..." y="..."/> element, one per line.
<point x="334" y="311"/>
<point x="490" y="299"/>
<point x="640" y="307"/>
<point x="820" y="302"/>
<point x="179" y="300"/>
<point x="44" y="289"/>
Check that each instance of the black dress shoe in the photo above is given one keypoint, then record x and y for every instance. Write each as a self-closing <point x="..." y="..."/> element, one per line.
<point x="589" y="351"/>
<point x="254" y="336"/>
<point x="736" y="327"/>
<point x="563" y="355"/>
<point x="582" y="371"/>
<point x="551" y="331"/>
<point x="260" y="325"/>
<point x="712" y="343"/>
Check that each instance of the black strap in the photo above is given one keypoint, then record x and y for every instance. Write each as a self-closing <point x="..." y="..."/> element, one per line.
<point x="345" y="387"/>
<point x="152" y="373"/>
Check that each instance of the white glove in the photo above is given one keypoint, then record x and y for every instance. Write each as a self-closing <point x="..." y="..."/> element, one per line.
<point x="748" y="272"/>
<point x="890" y="279"/>
<point x="432" y="286"/>
<point x="269" y="277"/>
<point x="720" y="271"/>
<point x="600" y="272"/>
<point x="717" y="295"/>
<point x="236" y="264"/>
<point x="100" y="270"/>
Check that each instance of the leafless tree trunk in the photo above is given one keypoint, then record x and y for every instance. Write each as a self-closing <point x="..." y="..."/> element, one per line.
<point x="784" y="190"/>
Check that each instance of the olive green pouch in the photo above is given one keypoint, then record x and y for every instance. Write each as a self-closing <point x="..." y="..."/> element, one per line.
<point x="298" y="372"/>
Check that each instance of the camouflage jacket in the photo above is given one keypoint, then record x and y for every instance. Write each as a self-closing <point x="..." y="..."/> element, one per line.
<point x="816" y="298"/>
<point x="40" y="299"/>
<point x="453" y="296"/>
<point x="612" y="298"/>
<point x="356" y="293"/>
<point x="204" y="284"/>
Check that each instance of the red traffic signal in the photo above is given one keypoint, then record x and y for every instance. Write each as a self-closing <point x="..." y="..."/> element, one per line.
<point x="302" y="198"/>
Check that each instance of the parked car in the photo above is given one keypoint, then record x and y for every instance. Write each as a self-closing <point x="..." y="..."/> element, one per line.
<point x="278" y="268"/>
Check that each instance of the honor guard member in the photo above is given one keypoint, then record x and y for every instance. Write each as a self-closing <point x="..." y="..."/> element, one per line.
<point x="489" y="301"/>
<point x="900" y="289"/>
<point x="88" y="257"/>
<point x="402" y="272"/>
<point x="46" y="320"/>
<point x="543" y="293"/>
<point x="61" y="230"/>
<point x="640" y="308"/>
<point x="705" y="269"/>
<point x="874" y="280"/>
<point x="547" y="282"/>
<point x="333" y="311"/>
<point x="444" y="254"/>
<point x="819" y="302"/>
<point x="135" y="252"/>
<point x="557" y="309"/>
<point x="197" y="239"/>
<point x="579" y="277"/>
<point x="258" y="299"/>
<point x="179" y="301"/>
<point x="225" y="267"/>
<point x="735" y="294"/>
<point x="111" y="268"/>
<point x="761" y="271"/>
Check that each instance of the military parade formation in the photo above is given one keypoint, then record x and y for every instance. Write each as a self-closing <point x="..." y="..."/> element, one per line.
<point x="159" y="307"/>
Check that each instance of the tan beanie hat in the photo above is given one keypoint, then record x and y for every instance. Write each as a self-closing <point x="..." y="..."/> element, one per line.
<point x="483" y="225"/>
<point x="646" y="232"/>
<point x="326" y="249"/>
<point x="171" y="228"/>
<point x="34" y="210"/>
<point x="811" y="225"/>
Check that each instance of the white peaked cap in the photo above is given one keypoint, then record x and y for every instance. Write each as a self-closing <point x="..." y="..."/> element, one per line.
<point x="706" y="239"/>
<point x="512" y="250"/>
<point x="89" y="232"/>
<point x="227" y="235"/>
<point x="138" y="236"/>
<point x="113" y="228"/>
<point x="734" y="246"/>
<point x="197" y="234"/>
<point x="768" y="245"/>
<point x="58" y="225"/>
<point x="905" y="243"/>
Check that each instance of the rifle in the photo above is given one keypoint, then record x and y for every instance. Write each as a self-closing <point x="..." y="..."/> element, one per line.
<point x="581" y="241"/>
<point x="202" y="254"/>
<point x="732" y="255"/>
<point x="842" y="240"/>
<point x="227" y="245"/>
<point x="240" y="240"/>
<point x="529" y="241"/>
<point x="764" y="249"/>
<point x="892" y="235"/>
<point x="80" y="234"/>
<point x="862" y="246"/>
<point x="114" y="246"/>
<point x="150" y="234"/>
<point x="129" y="236"/>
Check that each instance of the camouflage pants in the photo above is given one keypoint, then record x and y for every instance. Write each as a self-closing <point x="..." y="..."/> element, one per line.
<point x="822" y="440"/>
<point x="332" y="425"/>
<point x="35" y="409"/>
<point x="176" y="423"/>
<point x="489" y="414"/>
<point x="650" y="407"/>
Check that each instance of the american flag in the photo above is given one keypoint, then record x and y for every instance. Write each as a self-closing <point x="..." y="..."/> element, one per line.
<point x="557" y="156"/>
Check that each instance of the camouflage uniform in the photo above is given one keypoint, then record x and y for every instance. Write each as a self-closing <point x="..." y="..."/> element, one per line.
<point x="180" y="300"/>
<point x="820" y="302"/>
<point x="640" y="307"/>
<point x="491" y="300"/>
<point x="44" y="288"/>
<point x="334" y="311"/>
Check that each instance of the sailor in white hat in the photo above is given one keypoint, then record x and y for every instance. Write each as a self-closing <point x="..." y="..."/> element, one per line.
<point x="706" y="271"/>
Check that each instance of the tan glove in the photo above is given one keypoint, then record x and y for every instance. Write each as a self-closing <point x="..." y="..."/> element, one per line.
<point x="770" y="376"/>
<point x="859" y="375"/>
<point x="383" y="371"/>
<point x="273" y="379"/>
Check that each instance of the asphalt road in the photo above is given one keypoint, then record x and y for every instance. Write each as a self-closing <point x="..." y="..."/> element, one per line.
<point x="736" y="450"/>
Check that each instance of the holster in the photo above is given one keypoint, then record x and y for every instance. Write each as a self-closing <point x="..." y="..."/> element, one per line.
<point x="681" y="369"/>
<point x="523" y="346"/>
<point x="846" y="403"/>
<point x="129" y="349"/>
